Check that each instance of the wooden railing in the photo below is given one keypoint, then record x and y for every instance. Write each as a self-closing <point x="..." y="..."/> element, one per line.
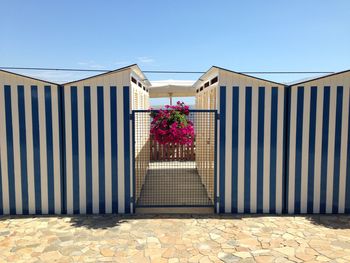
<point x="171" y="152"/>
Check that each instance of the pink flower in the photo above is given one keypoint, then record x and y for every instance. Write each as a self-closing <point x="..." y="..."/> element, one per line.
<point x="169" y="126"/>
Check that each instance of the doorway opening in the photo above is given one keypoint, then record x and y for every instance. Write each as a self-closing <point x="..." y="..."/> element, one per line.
<point x="173" y="174"/>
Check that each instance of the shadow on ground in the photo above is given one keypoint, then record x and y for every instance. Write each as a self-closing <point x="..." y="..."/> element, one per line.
<point x="97" y="221"/>
<point x="330" y="221"/>
<point x="113" y="220"/>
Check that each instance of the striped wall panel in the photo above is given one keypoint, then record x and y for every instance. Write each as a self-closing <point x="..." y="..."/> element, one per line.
<point x="251" y="136"/>
<point x="97" y="149"/>
<point x="30" y="152"/>
<point x="318" y="150"/>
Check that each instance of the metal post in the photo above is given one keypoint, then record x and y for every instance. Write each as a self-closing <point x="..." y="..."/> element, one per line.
<point x="171" y="98"/>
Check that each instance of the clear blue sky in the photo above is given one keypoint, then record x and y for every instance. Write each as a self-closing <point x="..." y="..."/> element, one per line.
<point x="176" y="35"/>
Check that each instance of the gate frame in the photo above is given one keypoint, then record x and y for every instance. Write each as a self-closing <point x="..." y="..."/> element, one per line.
<point x="133" y="141"/>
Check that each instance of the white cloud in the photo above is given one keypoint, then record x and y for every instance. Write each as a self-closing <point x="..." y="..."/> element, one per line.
<point x="145" y="60"/>
<point x="90" y="64"/>
<point x="123" y="63"/>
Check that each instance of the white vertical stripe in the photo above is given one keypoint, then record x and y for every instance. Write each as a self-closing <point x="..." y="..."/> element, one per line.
<point x="292" y="141"/>
<point x="108" y="149"/>
<point x="68" y="137"/>
<point x="94" y="151"/>
<point x="343" y="149"/>
<point x="318" y="149"/>
<point x="16" y="150"/>
<point x="82" y="167"/>
<point x="241" y="146"/>
<point x="267" y="139"/>
<point x="305" y="151"/>
<point x="254" y="150"/>
<point x="3" y="149"/>
<point x="56" y="149"/>
<point x="121" y="174"/>
<point x="279" y="150"/>
<point x="43" y="153"/>
<point x="228" y="151"/>
<point x="30" y="152"/>
<point x="331" y="143"/>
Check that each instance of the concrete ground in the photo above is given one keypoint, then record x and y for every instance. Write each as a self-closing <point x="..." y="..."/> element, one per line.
<point x="215" y="238"/>
<point x="174" y="183"/>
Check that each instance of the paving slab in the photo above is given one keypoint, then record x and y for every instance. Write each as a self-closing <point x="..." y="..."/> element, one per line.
<point x="175" y="238"/>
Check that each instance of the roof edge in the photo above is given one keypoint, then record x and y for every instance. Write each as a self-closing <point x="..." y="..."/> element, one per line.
<point x="102" y="74"/>
<point x="318" y="78"/>
<point x="29" y="77"/>
<point x="199" y="79"/>
<point x="249" y="76"/>
<point x="145" y="79"/>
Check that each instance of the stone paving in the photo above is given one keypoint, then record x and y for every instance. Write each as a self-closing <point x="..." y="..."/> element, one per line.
<point x="175" y="239"/>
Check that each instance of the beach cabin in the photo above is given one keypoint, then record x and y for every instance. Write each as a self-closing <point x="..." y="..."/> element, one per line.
<point x="251" y="133"/>
<point x="257" y="146"/>
<point x="31" y="146"/>
<point x="67" y="148"/>
<point x="317" y="144"/>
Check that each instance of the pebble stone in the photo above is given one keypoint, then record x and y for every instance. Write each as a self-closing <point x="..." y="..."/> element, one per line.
<point x="175" y="238"/>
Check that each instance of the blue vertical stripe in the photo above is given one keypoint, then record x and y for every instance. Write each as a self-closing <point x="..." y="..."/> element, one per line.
<point x="61" y="125"/>
<point x="88" y="152"/>
<point x="49" y="150"/>
<point x="311" y="161"/>
<point x="1" y="204"/>
<point x="286" y="148"/>
<point x="273" y="149"/>
<point x="260" y="152"/>
<point x="247" y="150"/>
<point x="347" y="187"/>
<point x="222" y="147"/>
<point x="101" y="150"/>
<point x="10" y="154"/>
<point x="23" y="148"/>
<point x="324" y="158"/>
<point x="235" y="130"/>
<point x="133" y="143"/>
<point x="36" y="149"/>
<point x="298" y="149"/>
<point x="216" y="197"/>
<point x="75" y="150"/>
<point x="337" y="146"/>
<point x="126" y="114"/>
<point x="114" y="148"/>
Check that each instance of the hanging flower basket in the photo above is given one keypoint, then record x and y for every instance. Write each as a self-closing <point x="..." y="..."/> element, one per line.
<point x="171" y="125"/>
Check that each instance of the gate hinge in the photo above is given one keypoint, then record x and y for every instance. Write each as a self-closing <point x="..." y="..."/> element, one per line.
<point x="217" y="199"/>
<point x="131" y="116"/>
<point x="218" y="116"/>
<point x="132" y="200"/>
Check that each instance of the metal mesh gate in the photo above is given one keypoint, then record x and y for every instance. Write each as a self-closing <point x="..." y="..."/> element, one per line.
<point x="171" y="174"/>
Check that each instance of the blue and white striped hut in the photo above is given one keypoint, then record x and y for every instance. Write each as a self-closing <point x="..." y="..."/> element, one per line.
<point x="318" y="157"/>
<point x="30" y="146"/>
<point x="281" y="148"/>
<point x="251" y="139"/>
<point x="69" y="148"/>
<point x="66" y="148"/>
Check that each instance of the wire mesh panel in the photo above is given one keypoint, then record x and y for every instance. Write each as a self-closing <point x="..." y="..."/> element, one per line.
<point x="172" y="174"/>
<point x="141" y="133"/>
